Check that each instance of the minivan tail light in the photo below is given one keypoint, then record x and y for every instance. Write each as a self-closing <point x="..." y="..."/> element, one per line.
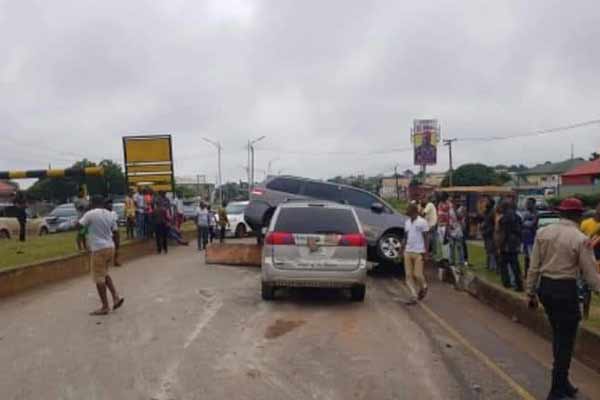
<point x="353" y="240"/>
<point x="258" y="192"/>
<point x="280" y="239"/>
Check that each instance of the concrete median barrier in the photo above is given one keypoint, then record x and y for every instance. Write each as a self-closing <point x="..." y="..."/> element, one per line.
<point x="19" y="279"/>
<point x="234" y="254"/>
<point x="514" y="306"/>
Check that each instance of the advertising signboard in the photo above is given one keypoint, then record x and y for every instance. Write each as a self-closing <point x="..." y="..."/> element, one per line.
<point x="149" y="162"/>
<point x="425" y="138"/>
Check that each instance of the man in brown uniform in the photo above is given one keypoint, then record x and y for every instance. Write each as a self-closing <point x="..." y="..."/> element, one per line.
<point x="561" y="254"/>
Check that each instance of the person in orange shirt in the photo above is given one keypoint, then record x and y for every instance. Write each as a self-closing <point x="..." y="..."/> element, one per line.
<point x="591" y="227"/>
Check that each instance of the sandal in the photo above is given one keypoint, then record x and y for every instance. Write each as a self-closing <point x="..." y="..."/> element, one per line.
<point x="119" y="303"/>
<point x="101" y="311"/>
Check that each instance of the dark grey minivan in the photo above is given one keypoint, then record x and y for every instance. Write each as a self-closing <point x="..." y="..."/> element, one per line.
<point x="383" y="227"/>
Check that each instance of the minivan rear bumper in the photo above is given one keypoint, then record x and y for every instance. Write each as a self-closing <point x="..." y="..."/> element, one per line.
<point x="312" y="278"/>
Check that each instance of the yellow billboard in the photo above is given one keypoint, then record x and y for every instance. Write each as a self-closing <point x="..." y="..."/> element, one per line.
<point x="149" y="161"/>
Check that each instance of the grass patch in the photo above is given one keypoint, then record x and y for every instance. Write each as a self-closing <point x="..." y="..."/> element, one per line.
<point x="40" y="248"/>
<point x="399" y="205"/>
<point x="477" y="260"/>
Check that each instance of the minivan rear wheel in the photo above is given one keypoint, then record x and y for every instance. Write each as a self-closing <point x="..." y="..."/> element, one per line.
<point x="358" y="293"/>
<point x="389" y="248"/>
<point x="267" y="291"/>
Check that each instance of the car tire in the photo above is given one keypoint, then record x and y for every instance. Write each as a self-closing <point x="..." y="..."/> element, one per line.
<point x="4" y="234"/>
<point x="267" y="291"/>
<point x="389" y="247"/>
<point x="357" y="293"/>
<point x="260" y="239"/>
<point x="240" y="231"/>
<point x="44" y="231"/>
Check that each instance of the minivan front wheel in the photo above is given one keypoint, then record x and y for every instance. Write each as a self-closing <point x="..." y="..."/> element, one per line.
<point x="389" y="248"/>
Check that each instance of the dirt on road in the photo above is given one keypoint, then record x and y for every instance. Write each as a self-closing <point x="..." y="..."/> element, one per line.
<point x="192" y="331"/>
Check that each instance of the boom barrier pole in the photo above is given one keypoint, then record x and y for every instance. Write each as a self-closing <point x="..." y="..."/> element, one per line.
<point x="53" y="173"/>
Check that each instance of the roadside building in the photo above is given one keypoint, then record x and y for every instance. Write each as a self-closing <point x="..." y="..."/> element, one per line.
<point x="548" y="175"/>
<point x="196" y="184"/>
<point x="392" y="188"/>
<point x="584" y="179"/>
<point x="7" y="190"/>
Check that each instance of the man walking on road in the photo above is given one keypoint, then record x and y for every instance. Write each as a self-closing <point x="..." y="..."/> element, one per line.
<point x="561" y="254"/>
<point x="415" y="252"/>
<point x="223" y="221"/>
<point x="203" y="225"/>
<point x="101" y="227"/>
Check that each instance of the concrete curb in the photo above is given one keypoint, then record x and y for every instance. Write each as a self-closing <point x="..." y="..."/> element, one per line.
<point x="510" y="304"/>
<point x="19" y="279"/>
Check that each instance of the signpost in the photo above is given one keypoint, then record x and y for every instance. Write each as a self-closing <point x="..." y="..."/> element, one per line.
<point x="149" y="162"/>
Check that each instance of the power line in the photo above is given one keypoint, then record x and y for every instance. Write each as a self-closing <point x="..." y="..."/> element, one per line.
<point x="534" y="133"/>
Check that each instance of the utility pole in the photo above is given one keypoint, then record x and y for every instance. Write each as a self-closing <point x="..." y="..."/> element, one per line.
<point x="397" y="186"/>
<point x="251" y="148"/>
<point x="448" y="142"/>
<point x="219" y="176"/>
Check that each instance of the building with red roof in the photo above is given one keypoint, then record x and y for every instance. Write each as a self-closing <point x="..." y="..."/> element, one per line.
<point x="584" y="178"/>
<point x="7" y="190"/>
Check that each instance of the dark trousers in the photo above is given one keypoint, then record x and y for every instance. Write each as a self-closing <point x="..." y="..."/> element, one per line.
<point x="561" y="303"/>
<point x="202" y="237"/>
<point x="510" y="259"/>
<point x="161" y="234"/>
<point x="22" y="226"/>
<point x="222" y="230"/>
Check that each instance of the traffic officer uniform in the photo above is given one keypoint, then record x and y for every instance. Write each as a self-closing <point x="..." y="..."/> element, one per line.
<point x="561" y="254"/>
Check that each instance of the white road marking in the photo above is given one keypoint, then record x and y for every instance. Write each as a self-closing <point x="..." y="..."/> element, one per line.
<point x="170" y="376"/>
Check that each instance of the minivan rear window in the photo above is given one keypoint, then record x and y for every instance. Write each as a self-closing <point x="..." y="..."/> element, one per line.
<point x="285" y="185"/>
<point x="316" y="220"/>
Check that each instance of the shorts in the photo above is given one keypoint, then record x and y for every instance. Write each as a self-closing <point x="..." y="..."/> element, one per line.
<point x="99" y="262"/>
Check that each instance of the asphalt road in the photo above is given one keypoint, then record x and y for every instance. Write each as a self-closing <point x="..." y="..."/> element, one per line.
<point x="192" y="331"/>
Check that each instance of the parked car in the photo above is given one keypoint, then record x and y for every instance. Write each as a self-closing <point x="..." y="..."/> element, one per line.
<point x="314" y="244"/>
<point x="235" y="214"/>
<point x="119" y="208"/>
<point x="546" y="218"/>
<point x="189" y="209"/>
<point x="383" y="227"/>
<point x="9" y="226"/>
<point x="63" y="218"/>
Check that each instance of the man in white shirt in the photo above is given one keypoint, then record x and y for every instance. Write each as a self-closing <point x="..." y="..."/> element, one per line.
<point x="415" y="248"/>
<point x="101" y="225"/>
<point x="203" y="224"/>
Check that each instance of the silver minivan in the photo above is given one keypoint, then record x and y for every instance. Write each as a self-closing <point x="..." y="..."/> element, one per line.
<point x="314" y="244"/>
<point x="383" y="227"/>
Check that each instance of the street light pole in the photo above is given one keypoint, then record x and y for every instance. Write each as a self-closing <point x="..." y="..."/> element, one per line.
<point x="251" y="147"/>
<point x="219" y="176"/>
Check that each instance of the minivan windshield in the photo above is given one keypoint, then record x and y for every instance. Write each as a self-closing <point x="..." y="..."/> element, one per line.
<point x="316" y="220"/>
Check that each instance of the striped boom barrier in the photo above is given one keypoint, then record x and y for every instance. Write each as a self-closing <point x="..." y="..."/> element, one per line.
<point x="53" y="173"/>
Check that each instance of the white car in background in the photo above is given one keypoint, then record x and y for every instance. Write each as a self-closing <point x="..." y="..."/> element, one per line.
<point x="235" y="215"/>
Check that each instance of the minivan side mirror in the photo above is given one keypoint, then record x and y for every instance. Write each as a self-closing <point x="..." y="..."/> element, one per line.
<point x="377" y="208"/>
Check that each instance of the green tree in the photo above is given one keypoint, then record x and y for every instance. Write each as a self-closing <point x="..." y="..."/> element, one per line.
<point x="63" y="189"/>
<point x="474" y="175"/>
<point x="594" y="156"/>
